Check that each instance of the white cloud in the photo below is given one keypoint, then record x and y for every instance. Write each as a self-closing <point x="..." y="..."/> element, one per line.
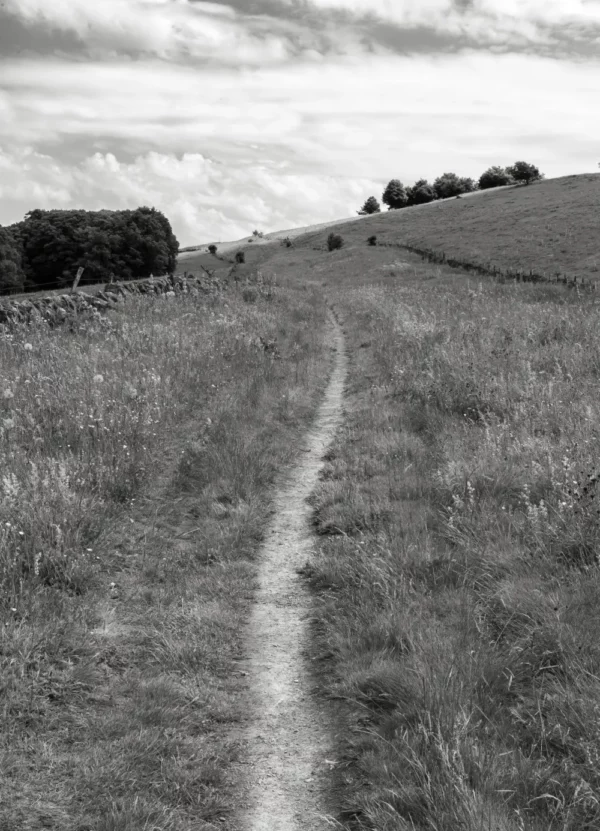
<point x="203" y="199"/>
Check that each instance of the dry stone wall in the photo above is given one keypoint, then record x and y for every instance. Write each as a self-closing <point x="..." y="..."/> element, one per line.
<point x="58" y="308"/>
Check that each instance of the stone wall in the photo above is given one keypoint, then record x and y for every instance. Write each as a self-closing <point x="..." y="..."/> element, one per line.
<point x="58" y="308"/>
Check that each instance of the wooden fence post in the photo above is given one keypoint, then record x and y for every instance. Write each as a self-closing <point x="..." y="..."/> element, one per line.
<point x="80" y="271"/>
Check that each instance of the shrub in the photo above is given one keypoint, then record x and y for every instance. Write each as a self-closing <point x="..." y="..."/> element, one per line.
<point x="334" y="241"/>
<point x="240" y="257"/>
<point x="394" y="196"/>
<point x="212" y="249"/>
<point x="371" y="206"/>
<point x="494" y="177"/>
<point x="372" y="240"/>
<point x="287" y="242"/>
<point x="524" y="172"/>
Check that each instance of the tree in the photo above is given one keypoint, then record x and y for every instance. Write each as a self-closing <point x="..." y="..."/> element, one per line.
<point x="524" y="172"/>
<point x="12" y="276"/>
<point x="420" y="193"/>
<point x="240" y="257"/>
<point x="212" y="249"/>
<point x="394" y="196"/>
<point x="371" y="206"/>
<point x="130" y="244"/>
<point x="449" y="184"/>
<point x="495" y="177"/>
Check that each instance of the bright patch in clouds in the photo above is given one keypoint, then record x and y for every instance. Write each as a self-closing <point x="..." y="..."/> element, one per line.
<point x="230" y="116"/>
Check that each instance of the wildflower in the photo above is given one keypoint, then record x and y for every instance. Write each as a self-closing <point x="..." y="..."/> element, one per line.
<point x="28" y="347"/>
<point x="98" y="379"/>
<point x="8" y="424"/>
<point x="8" y="394"/>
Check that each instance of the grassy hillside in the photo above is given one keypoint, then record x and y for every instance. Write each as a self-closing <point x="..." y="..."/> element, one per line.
<point x="551" y="226"/>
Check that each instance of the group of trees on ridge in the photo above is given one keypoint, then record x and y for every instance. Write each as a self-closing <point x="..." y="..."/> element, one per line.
<point x="46" y="249"/>
<point x="396" y="195"/>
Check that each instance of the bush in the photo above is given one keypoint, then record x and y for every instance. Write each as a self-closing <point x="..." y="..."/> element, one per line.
<point x="240" y="257"/>
<point x="495" y="177"/>
<point x="334" y="241"/>
<point x="371" y="206"/>
<point x="212" y="249"/>
<point x="395" y="196"/>
<point x="372" y="240"/>
<point x="287" y="242"/>
<point x="524" y="172"/>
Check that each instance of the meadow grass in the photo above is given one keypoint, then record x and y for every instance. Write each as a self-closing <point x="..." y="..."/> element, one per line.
<point x="137" y="455"/>
<point x="456" y="579"/>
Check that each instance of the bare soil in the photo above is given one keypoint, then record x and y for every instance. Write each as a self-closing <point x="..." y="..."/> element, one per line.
<point x="286" y="742"/>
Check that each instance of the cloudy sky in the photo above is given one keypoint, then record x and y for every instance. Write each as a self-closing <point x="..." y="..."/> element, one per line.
<point x="233" y="115"/>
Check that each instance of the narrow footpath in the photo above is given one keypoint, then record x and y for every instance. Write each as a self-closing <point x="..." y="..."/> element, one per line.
<point x="287" y="742"/>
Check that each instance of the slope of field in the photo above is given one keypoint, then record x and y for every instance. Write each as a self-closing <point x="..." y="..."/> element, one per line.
<point x="551" y="226"/>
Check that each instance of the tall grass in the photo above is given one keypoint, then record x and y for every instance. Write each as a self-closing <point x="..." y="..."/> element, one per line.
<point x="458" y="566"/>
<point x="136" y="458"/>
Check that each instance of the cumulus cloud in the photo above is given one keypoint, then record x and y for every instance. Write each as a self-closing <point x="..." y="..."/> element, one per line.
<point x="204" y="200"/>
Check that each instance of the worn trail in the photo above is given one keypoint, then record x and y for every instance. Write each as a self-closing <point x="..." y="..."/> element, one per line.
<point x="287" y="740"/>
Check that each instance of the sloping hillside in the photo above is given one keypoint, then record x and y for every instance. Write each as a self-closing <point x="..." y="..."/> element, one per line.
<point x="549" y="227"/>
<point x="552" y="226"/>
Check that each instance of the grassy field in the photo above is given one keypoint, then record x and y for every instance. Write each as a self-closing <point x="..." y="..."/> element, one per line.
<point x="456" y="587"/>
<point x="456" y="581"/>
<point x="136" y="460"/>
<point x="551" y="226"/>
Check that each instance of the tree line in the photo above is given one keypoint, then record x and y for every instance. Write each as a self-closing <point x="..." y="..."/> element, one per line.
<point x="396" y="195"/>
<point x="46" y="249"/>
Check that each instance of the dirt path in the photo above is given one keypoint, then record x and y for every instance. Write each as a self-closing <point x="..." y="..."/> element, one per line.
<point x="288" y="745"/>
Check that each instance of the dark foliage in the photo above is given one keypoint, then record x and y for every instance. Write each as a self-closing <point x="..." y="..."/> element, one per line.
<point x="129" y="244"/>
<point x="495" y="177"/>
<point x="524" y="172"/>
<point x="212" y="249"/>
<point x="449" y="184"/>
<point x="421" y="193"/>
<point x="12" y="276"/>
<point x="372" y="240"/>
<point x="334" y="241"/>
<point x="371" y="206"/>
<point x="240" y="257"/>
<point x="395" y="196"/>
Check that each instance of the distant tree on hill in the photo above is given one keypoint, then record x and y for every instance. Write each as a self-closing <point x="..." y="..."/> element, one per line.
<point x="495" y="177"/>
<point x="212" y="249"/>
<point x="420" y="193"/>
<point x="524" y="172"/>
<point x="395" y="196"/>
<point x="371" y="206"/>
<point x="449" y="184"/>
<point x="12" y="276"/>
